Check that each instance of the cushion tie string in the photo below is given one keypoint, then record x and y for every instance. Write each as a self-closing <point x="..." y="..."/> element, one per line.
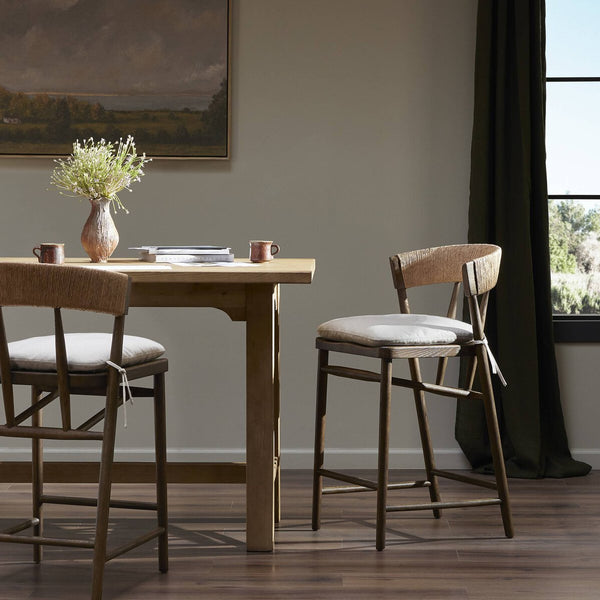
<point x="126" y="389"/>
<point x="493" y="362"/>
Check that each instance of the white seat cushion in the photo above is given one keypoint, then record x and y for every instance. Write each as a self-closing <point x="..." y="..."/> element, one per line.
<point x="86" y="352"/>
<point x="396" y="330"/>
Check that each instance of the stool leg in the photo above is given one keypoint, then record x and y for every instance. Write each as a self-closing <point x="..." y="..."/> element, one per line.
<point x="319" y="438"/>
<point x="277" y="447"/>
<point x="160" y="442"/>
<point x="495" y="441"/>
<point x="37" y="476"/>
<point x="383" y="452"/>
<point x="276" y="418"/>
<point x="428" y="455"/>
<point x="104" y="488"/>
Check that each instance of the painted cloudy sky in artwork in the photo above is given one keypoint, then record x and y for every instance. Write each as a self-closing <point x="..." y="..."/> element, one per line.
<point x="113" y="46"/>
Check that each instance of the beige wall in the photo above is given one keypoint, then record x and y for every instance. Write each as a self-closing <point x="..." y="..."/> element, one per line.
<point x="351" y="136"/>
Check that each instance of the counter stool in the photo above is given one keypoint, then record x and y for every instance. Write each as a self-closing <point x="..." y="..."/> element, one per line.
<point x="416" y="336"/>
<point x="90" y="364"/>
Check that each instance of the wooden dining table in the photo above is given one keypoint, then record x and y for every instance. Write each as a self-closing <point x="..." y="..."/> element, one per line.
<point x="247" y="292"/>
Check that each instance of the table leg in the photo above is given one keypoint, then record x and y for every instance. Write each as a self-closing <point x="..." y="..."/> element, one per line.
<point x="260" y="415"/>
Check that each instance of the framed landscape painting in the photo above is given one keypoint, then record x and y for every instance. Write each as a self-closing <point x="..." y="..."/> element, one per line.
<point x="154" y="69"/>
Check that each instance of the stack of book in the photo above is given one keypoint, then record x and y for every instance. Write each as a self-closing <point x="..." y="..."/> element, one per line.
<point x="185" y="254"/>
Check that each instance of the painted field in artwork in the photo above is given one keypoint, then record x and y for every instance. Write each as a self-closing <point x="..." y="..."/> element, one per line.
<point x="154" y="69"/>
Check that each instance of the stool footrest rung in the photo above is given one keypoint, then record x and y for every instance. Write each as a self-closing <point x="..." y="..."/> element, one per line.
<point x="135" y="543"/>
<point x="465" y="479"/>
<point x="21" y="526"/>
<point x="44" y="541"/>
<point x="364" y="485"/>
<point x="432" y="505"/>
<point x="75" y="501"/>
<point x="358" y="481"/>
<point x="403" y="485"/>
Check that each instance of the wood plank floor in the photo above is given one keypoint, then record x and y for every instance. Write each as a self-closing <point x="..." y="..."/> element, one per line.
<point x="464" y="555"/>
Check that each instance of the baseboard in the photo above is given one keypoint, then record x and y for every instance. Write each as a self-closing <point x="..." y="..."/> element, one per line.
<point x="293" y="458"/>
<point x="591" y="456"/>
<point x="207" y="465"/>
<point x="201" y="465"/>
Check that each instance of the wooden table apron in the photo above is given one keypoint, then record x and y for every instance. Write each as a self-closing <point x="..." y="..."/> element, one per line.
<point x="249" y="294"/>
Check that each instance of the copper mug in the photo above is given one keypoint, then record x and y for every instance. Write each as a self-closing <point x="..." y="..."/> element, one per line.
<point x="262" y="251"/>
<point x="53" y="254"/>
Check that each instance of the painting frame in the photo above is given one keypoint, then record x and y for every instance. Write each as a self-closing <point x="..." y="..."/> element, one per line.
<point x="170" y="132"/>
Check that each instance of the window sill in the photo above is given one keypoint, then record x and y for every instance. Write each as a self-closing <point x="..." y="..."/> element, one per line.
<point x="576" y="329"/>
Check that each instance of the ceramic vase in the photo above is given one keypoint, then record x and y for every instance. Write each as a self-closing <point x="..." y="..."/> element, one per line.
<point x="99" y="237"/>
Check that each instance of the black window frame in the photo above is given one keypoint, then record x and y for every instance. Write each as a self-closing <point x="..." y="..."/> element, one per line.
<point x="575" y="328"/>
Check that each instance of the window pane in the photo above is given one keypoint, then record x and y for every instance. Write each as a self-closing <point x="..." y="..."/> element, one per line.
<point x="572" y="48"/>
<point x="575" y="256"/>
<point x="573" y="138"/>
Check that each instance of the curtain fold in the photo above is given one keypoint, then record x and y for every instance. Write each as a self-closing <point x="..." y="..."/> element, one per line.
<point x="508" y="206"/>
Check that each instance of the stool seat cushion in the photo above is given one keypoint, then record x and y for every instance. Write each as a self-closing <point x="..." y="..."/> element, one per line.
<point x="86" y="352"/>
<point x="396" y="330"/>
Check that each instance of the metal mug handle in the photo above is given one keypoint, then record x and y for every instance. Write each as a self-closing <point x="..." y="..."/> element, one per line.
<point x="38" y="256"/>
<point x="274" y="249"/>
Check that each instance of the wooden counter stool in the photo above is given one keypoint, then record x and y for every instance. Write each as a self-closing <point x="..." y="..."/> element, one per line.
<point x="91" y="364"/>
<point x="415" y="336"/>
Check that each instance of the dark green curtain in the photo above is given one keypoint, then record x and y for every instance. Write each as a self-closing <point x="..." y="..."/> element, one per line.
<point x="508" y="206"/>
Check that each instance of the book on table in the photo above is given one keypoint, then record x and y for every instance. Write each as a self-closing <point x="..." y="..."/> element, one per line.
<point x="187" y="258"/>
<point x="187" y="254"/>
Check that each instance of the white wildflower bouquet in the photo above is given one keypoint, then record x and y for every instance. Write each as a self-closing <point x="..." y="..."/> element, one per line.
<point x="100" y="170"/>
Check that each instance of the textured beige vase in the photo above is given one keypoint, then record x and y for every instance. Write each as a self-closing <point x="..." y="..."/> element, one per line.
<point x="99" y="237"/>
